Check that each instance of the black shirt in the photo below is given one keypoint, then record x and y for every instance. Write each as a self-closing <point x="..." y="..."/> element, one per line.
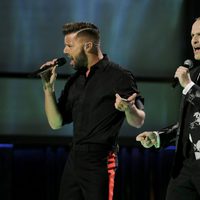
<point x="88" y="102"/>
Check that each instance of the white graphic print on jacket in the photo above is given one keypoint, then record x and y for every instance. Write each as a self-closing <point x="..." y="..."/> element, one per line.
<point x="193" y="125"/>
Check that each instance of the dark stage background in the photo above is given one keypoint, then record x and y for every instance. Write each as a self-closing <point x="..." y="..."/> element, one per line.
<point x="151" y="38"/>
<point x="147" y="37"/>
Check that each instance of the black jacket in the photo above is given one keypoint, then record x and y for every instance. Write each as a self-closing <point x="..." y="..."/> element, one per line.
<point x="178" y="133"/>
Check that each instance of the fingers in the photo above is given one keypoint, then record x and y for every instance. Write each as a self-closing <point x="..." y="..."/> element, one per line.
<point x="117" y="95"/>
<point x="120" y="103"/>
<point x="50" y="66"/>
<point x="147" y="139"/>
<point x="141" y="136"/>
<point x="146" y="143"/>
<point x="132" y="97"/>
<point x="49" y="75"/>
<point x="49" y="63"/>
<point x="54" y="74"/>
<point x="182" y="73"/>
<point x="53" y="71"/>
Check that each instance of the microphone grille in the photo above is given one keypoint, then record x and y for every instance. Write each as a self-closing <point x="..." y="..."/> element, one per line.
<point x="61" y="61"/>
<point x="188" y="63"/>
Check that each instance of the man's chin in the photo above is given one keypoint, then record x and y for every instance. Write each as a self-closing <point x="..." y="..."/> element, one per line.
<point x="197" y="56"/>
<point x="80" y="68"/>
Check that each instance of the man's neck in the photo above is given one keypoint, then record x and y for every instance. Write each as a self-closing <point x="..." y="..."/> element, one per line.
<point x="94" y="59"/>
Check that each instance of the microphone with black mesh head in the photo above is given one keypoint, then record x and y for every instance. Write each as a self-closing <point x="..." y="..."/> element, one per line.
<point x="59" y="62"/>
<point x="188" y="64"/>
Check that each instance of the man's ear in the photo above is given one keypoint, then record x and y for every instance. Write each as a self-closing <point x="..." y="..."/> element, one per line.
<point x="88" y="46"/>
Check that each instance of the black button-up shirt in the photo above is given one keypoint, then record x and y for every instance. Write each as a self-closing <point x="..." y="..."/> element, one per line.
<point x="88" y="102"/>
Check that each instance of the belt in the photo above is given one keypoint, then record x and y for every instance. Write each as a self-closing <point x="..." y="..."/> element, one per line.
<point x="95" y="147"/>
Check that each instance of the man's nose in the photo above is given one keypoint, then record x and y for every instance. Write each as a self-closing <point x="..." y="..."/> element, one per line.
<point x="65" y="51"/>
<point x="195" y="40"/>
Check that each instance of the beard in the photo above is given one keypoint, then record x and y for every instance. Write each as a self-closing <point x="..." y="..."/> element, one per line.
<point x="81" y="61"/>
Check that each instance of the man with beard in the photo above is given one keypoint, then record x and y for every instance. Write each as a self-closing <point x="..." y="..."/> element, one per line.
<point x="97" y="98"/>
<point x="185" y="180"/>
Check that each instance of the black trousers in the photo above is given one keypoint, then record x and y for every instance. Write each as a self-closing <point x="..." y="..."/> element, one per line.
<point x="186" y="186"/>
<point x="88" y="175"/>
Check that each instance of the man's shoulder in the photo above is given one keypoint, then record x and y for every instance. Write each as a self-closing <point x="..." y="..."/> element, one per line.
<point x="115" y="67"/>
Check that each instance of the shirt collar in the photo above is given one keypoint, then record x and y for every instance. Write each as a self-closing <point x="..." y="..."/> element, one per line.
<point x="101" y="63"/>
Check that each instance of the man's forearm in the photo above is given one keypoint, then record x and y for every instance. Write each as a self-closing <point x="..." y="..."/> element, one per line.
<point x="53" y="115"/>
<point x="135" y="117"/>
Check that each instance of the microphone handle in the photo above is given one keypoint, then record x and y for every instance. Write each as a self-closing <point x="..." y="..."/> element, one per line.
<point x="39" y="71"/>
<point x="45" y="68"/>
<point x="59" y="62"/>
<point x="175" y="80"/>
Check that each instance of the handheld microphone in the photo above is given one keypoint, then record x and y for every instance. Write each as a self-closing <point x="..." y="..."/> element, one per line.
<point x="188" y="64"/>
<point x="59" y="62"/>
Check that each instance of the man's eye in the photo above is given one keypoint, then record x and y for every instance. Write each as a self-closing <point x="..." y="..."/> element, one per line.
<point x="69" y="45"/>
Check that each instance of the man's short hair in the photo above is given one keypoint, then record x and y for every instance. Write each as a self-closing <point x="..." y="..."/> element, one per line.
<point x="77" y="26"/>
<point x="83" y="29"/>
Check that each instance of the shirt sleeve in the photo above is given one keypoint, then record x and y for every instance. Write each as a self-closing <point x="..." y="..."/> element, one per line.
<point x="128" y="87"/>
<point x="64" y="106"/>
<point x="187" y="88"/>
